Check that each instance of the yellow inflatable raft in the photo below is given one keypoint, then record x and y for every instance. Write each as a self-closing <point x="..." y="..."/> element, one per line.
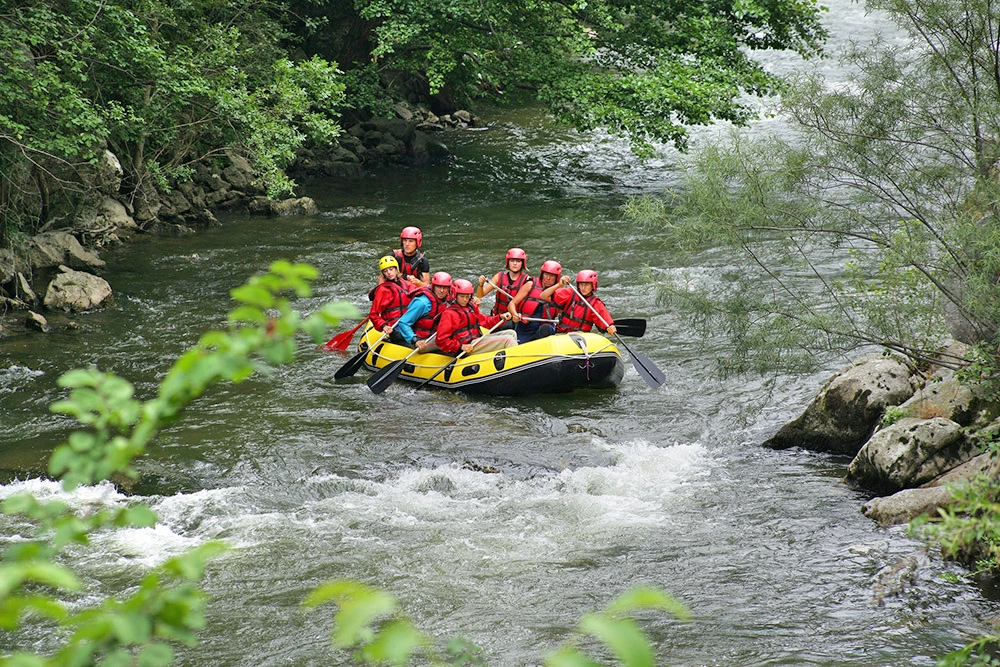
<point x="558" y="363"/>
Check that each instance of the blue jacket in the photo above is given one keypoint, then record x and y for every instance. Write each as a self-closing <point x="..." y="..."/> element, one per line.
<point x="419" y="307"/>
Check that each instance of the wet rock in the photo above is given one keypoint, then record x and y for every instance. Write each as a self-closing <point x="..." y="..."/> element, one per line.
<point x="906" y="505"/>
<point x="36" y="322"/>
<point x="286" y="207"/>
<point x="910" y="453"/>
<point x="844" y="414"/>
<point x="76" y="291"/>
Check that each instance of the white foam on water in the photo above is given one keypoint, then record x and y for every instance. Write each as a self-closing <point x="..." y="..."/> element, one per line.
<point x="15" y="377"/>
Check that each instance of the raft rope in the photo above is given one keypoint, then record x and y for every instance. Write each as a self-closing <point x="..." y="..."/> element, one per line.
<point x="579" y="340"/>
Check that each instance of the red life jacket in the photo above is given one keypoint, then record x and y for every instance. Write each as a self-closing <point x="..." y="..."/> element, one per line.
<point x="469" y="330"/>
<point x="425" y="326"/>
<point x="574" y="315"/>
<point x="535" y="306"/>
<point x="401" y="298"/>
<point x="511" y="287"/>
<point x="408" y="266"/>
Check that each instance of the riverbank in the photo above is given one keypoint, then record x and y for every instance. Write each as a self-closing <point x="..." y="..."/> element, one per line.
<point x="914" y="432"/>
<point x="57" y="273"/>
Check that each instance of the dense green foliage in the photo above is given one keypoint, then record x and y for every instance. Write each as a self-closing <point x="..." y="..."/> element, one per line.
<point x="886" y="195"/>
<point x="167" y="85"/>
<point x="646" y="70"/>
<point x="162" y="85"/>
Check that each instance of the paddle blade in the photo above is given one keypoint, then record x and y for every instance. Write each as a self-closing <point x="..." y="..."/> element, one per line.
<point x="342" y="341"/>
<point x="351" y="367"/>
<point x="647" y="370"/>
<point x="634" y="327"/>
<point x="385" y="376"/>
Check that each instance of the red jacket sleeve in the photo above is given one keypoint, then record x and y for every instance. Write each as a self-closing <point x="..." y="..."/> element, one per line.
<point x="446" y="332"/>
<point x="602" y="309"/>
<point x="382" y="298"/>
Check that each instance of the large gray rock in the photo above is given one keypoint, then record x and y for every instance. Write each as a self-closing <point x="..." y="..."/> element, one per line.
<point x="909" y="453"/>
<point x="285" y="207"/>
<point x="944" y="396"/>
<point x="76" y="291"/>
<point x="906" y="505"/>
<point x="60" y="247"/>
<point x="844" y="414"/>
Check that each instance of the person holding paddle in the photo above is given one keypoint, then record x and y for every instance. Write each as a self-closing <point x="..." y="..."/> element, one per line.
<point x="391" y="296"/>
<point x="422" y="315"/>
<point x="414" y="267"/>
<point x="581" y="309"/>
<point x="533" y="307"/>
<point x="511" y="285"/>
<point x="460" y="326"/>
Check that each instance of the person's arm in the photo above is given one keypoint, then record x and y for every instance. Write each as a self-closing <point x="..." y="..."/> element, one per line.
<point x="556" y="292"/>
<point x="378" y="306"/>
<point x="446" y="332"/>
<point x="514" y="305"/>
<point x="484" y="287"/>
<point x="605" y="320"/>
<point x="419" y="307"/>
<point x="424" y="267"/>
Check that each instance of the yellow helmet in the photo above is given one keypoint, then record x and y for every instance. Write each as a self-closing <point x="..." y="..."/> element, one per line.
<point x="386" y="262"/>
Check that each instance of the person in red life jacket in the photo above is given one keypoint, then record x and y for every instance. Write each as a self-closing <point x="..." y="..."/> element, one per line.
<point x="535" y="306"/>
<point x="422" y="314"/>
<point x="576" y="315"/>
<point x="391" y="296"/>
<point x="460" y="326"/>
<point x="413" y="264"/>
<point x="414" y="267"/>
<point x="514" y="284"/>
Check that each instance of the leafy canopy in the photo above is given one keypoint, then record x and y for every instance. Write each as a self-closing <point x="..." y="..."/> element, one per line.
<point x="874" y="219"/>
<point x="642" y="69"/>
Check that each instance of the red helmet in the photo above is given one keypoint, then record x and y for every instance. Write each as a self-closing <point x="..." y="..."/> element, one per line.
<point x="463" y="286"/>
<point x="412" y="233"/>
<point x="587" y="276"/>
<point x="441" y="278"/>
<point x="517" y="253"/>
<point x="553" y="267"/>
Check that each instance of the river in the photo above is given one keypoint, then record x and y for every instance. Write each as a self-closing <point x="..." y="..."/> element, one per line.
<point x="310" y="480"/>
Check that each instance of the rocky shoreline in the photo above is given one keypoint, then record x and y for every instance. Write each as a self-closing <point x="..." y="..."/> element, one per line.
<point x="912" y="432"/>
<point x="57" y="272"/>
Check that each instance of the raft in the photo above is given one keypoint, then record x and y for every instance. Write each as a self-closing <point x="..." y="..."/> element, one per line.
<point x="557" y="363"/>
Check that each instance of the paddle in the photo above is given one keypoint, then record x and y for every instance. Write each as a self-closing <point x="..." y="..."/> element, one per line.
<point x="631" y="326"/>
<point x="382" y="378"/>
<point x="499" y="289"/>
<point x="342" y="340"/>
<point x="634" y="326"/>
<point x="459" y="356"/>
<point x="653" y="376"/>
<point x="355" y="362"/>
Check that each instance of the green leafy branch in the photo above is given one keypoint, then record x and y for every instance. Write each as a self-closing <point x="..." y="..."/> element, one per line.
<point x="166" y="606"/>
<point x="371" y="622"/>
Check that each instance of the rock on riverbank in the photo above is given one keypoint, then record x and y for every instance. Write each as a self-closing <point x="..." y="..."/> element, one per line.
<point x="911" y="432"/>
<point x="58" y="270"/>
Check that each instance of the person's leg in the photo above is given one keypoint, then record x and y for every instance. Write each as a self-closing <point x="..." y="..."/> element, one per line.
<point x="397" y="338"/>
<point x="497" y="340"/>
<point x="526" y="331"/>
